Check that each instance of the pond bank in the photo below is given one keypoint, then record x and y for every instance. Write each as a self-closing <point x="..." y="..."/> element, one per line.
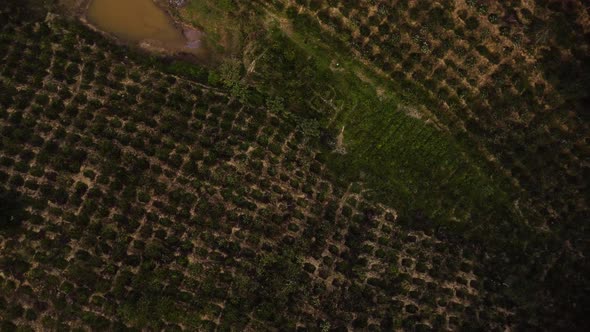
<point x="148" y="24"/>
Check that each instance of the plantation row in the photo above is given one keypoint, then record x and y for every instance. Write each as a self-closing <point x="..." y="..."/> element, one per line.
<point x="513" y="77"/>
<point x="406" y="163"/>
<point x="145" y="200"/>
<point x="488" y="68"/>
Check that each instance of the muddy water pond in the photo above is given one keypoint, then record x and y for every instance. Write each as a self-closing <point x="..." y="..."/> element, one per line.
<point x="143" y="22"/>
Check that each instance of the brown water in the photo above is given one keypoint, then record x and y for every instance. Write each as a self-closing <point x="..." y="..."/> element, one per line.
<point x="140" y="21"/>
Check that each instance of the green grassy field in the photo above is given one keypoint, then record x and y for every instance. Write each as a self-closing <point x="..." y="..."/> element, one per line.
<point x="413" y="164"/>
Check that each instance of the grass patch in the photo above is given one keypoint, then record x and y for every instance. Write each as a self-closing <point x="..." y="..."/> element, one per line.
<point x="215" y="18"/>
<point x="406" y="162"/>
